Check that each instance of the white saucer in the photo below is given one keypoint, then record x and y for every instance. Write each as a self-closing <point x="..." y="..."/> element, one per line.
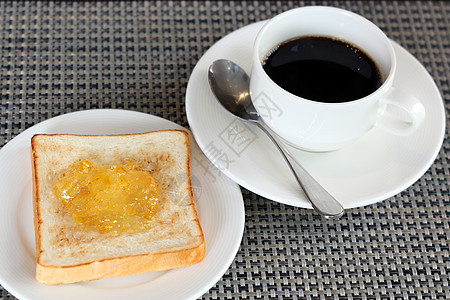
<point x="218" y="201"/>
<point x="374" y="168"/>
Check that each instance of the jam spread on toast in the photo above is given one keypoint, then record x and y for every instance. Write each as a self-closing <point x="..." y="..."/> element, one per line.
<point x="115" y="199"/>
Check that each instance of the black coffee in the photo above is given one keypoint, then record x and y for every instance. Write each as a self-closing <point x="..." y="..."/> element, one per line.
<point x="322" y="69"/>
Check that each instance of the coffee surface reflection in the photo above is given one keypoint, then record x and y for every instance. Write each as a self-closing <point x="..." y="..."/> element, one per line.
<point x="322" y="69"/>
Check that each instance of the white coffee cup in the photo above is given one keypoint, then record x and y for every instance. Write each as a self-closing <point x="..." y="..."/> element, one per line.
<point x="319" y="126"/>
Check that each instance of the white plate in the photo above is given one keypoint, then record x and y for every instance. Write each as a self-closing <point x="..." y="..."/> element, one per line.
<point x="218" y="201"/>
<point x="374" y="168"/>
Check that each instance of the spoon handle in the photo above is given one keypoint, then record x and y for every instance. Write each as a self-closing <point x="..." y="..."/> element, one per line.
<point x="324" y="203"/>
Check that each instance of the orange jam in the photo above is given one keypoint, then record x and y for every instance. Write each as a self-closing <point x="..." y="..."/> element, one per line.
<point x="114" y="200"/>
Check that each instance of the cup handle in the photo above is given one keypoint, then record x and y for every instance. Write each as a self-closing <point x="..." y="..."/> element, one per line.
<point x="400" y="113"/>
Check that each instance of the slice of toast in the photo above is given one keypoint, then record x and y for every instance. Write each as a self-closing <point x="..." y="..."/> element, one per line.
<point x="67" y="252"/>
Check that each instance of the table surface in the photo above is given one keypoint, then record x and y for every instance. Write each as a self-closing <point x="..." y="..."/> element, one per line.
<point x="57" y="58"/>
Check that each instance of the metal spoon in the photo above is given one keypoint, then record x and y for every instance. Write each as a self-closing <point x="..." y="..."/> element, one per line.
<point x="230" y="84"/>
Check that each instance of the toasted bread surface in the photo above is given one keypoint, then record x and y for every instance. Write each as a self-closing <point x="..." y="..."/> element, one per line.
<point x="67" y="252"/>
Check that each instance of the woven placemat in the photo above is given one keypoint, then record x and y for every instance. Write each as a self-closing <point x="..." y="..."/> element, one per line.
<point x="59" y="57"/>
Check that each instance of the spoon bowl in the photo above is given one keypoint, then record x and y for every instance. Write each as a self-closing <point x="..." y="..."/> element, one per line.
<point x="230" y="85"/>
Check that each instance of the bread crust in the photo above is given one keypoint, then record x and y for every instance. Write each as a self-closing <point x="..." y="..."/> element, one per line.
<point x="36" y="214"/>
<point x="120" y="266"/>
<point x="50" y="273"/>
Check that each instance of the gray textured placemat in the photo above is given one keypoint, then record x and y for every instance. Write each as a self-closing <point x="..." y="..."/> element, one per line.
<point x="68" y="56"/>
